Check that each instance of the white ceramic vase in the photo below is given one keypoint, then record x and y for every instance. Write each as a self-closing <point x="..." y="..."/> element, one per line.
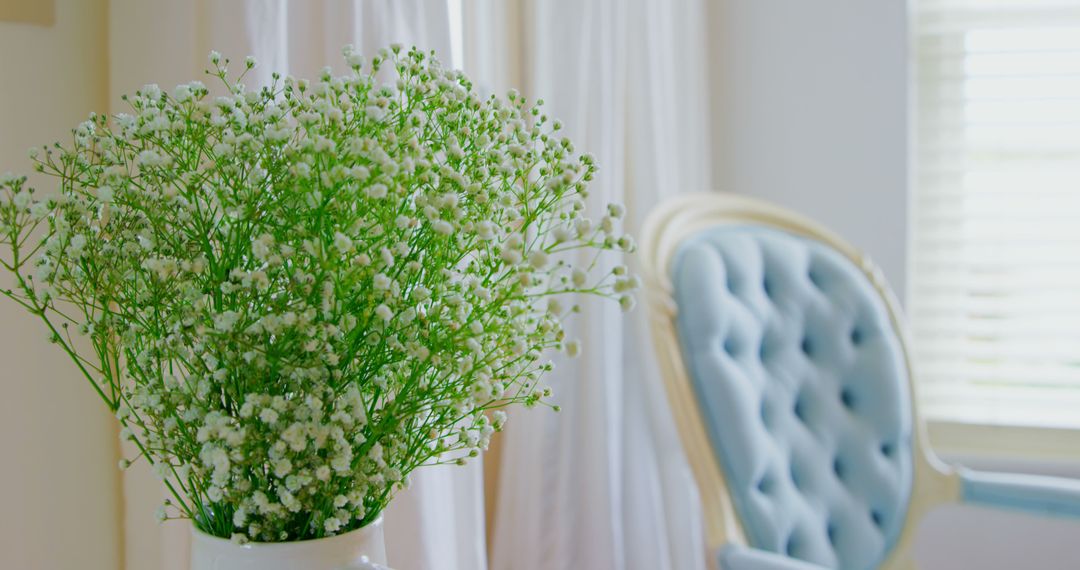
<point x="361" y="549"/>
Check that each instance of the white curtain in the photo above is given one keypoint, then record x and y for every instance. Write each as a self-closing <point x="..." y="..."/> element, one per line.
<point x="604" y="483"/>
<point x="437" y="524"/>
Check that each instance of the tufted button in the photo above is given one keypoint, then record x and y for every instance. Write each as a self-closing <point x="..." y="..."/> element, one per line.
<point x="830" y="531"/>
<point x="847" y="397"/>
<point x="887" y="449"/>
<point x="766" y="413"/>
<point x="765" y="484"/>
<point x="730" y="346"/>
<point x="766" y="285"/>
<point x="791" y="545"/>
<point x="876" y="516"/>
<point x="814" y="278"/>
<point x="856" y="336"/>
<point x="806" y="346"/>
<point x="800" y="409"/>
<point x="838" y="468"/>
<point x="796" y="479"/>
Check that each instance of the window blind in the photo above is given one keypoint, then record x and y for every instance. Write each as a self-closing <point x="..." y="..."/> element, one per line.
<point x="994" y="291"/>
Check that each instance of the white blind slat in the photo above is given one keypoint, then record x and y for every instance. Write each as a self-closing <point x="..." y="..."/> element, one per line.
<point x="995" y="273"/>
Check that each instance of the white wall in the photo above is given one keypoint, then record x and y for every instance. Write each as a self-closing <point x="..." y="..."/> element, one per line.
<point x="59" y="484"/>
<point x="810" y="111"/>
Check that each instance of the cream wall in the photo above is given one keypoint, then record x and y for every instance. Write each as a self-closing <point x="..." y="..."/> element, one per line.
<point x="59" y="484"/>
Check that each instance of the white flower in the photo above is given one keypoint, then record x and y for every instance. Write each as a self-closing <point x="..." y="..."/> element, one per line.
<point x="442" y="227"/>
<point x="282" y="467"/>
<point x="376" y="191"/>
<point x="538" y="259"/>
<point x="259" y="280"/>
<point x="485" y="230"/>
<point x="578" y="277"/>
<point x="450" y="200"/>
<point x="332" y="525"/>
<point x="381" y="282"/>
<point x="384" y="312"/>
<point x="628" y="284"/>
<point x="626" y="302"/>
<point x="105" y="194"/>
<point x="573" y="348"/>
<point x="561" y="234"/>
<point x="374" y="112"/>
<point x="182" y="93"/>
<point x="343" y="243"/>
<point x="268" y="415"/>
<point x="607" y="224"/>
<point x="21" y="200"/>
<point x="151" y="91"/>
<point x="583" y="226"/>
<point x="511" y="255"/>
<point x="225" y="321"/>
<point x="75" y="248"/>
<point x="150" y="158"/>
<point x="360" y="173"/>
<point x="163" y="269"/>
<point x="352" y="57"/>
<point x="296" y="437"/>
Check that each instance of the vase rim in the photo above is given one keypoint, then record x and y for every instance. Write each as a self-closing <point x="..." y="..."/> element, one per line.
<point x="345" y="536"/>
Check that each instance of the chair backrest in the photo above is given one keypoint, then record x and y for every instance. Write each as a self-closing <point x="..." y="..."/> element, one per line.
<point x="788" y="344"/>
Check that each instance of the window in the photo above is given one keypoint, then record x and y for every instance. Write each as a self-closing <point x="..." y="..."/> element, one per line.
<point x="995" y="273"/>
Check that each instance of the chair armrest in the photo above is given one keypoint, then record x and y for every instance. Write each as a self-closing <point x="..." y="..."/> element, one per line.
<point x="1050" y="496"/>
<point x="738" y="557"/>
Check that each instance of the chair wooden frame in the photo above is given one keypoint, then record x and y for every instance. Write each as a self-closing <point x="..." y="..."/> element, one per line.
<point x="934" y="482"/>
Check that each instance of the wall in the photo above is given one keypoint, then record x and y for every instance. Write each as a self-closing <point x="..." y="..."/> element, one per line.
<point x="810" y="111"/>
<point x="59" y="484"/>
<point x="976" y="537"/>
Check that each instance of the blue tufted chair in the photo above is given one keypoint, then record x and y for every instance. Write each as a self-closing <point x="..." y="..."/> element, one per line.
<point x="783" y="353"/>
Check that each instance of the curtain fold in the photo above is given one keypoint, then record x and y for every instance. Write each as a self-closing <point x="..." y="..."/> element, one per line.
<point x="438" y="522"/>
<point x="604" y="483"/>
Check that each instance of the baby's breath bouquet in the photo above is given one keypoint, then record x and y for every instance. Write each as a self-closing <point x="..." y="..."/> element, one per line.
<point x="293" y="297"/>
